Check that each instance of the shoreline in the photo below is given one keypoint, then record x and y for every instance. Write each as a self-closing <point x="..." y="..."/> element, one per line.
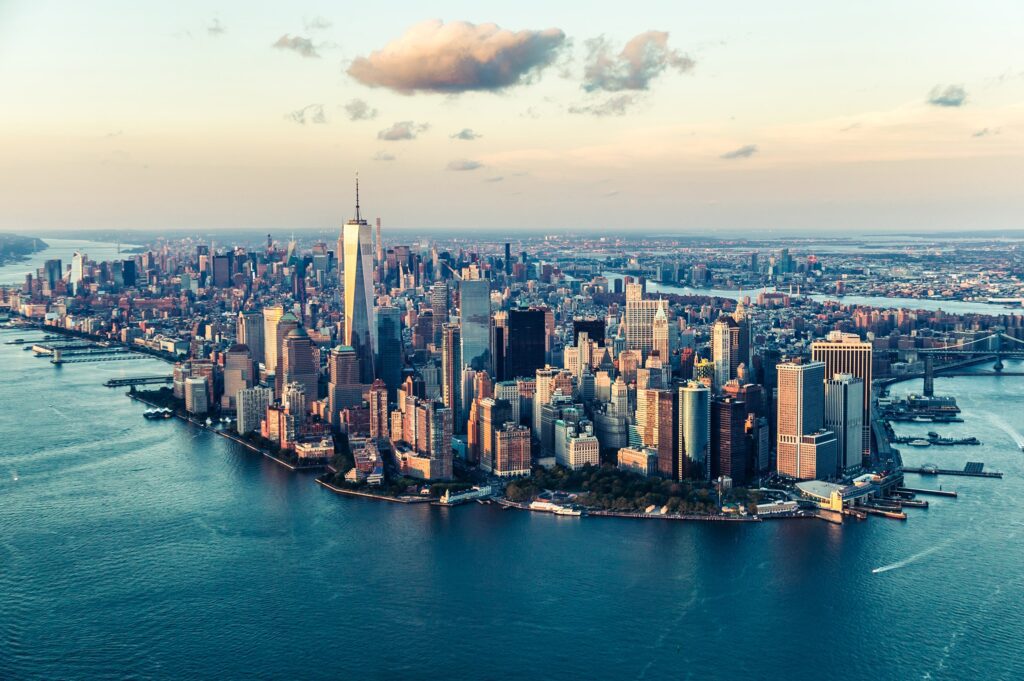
<point x="409" y="500"/>
<point x="234" y="438"/>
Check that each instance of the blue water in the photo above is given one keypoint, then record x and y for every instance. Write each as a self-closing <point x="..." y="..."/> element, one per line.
<point x="154" y="550"/>
<point x="62" y="249"/>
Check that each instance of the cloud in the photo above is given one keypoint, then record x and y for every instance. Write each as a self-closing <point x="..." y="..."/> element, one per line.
<point x="402" y="130"/>
<point x="496" y="178"/>
<point x="746" y="151"/>
<point x="613" y="106"/>
<point x="359" y="110"/>
<point x="216" y="28"/>
<point x="466" y="134"/>
<point x="458" y="57"/>
<point x="118" y="133"/>
<point x="317" y="24"/>
<point x="851" y="126"/>
<point x="311" y="113"/>
<point x="464" y="165"/>
<point x="384" y="156"/>
<point x="298" y="44"/>
<point x="951" y="95"/>
<point x="645" y="57"/>
<point x="985" y="132"/>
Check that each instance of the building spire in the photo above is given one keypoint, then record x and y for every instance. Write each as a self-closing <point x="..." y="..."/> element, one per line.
<point x="357" y="198"/>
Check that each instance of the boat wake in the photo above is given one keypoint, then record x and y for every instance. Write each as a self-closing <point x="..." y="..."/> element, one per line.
<point x="1000" y="423"/>
<point x="912" y="559"/>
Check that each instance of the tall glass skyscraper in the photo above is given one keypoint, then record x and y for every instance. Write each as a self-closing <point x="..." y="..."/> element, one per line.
<point x="694" y="431"/>
<point x="475" y="310"/>
<point x="360" y="326"/>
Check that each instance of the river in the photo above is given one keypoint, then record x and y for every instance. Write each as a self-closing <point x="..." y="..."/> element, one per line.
<point x="100" y="251"/>
<point x="156" y="550"/>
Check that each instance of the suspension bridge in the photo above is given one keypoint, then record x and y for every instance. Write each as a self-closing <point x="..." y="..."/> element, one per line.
<point x="957" y="359"/>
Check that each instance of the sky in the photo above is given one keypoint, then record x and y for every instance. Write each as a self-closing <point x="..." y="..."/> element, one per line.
<point x="639" y="117"/>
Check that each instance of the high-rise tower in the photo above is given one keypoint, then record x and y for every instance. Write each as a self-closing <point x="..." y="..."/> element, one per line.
<point x="360" y="324"/>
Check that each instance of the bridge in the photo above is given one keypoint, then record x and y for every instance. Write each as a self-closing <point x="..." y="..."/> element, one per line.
<point x="961" y="356"/>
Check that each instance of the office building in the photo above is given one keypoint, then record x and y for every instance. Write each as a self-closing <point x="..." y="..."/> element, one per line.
<point x="802" y="443"/>
<point x="251" y="406"/>
<point x="844" y="416"/>
<point x="694" y="438"/>
<point x="475" y="315"/>
<point x="846" y="353"/>
<point x="360" y="322"/>
<point x="299" y="363"/>
<point x="525" y="343"/>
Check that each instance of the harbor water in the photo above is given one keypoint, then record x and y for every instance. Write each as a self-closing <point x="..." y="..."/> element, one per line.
<point x="156" y="550"/>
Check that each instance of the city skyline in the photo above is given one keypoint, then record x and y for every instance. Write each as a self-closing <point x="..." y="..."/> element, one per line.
<point x="648" y="117"/>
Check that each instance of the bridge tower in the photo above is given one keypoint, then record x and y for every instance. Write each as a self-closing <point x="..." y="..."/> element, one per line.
<point x="998" y="366"/>
<point x="929" y="374"/>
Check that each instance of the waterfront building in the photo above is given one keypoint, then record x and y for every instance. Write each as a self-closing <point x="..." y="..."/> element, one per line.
<point x="846" y="353"/>
<point x="251" y="406"/>
<point x="238" y="374"/>
<point x="636" y="460"/>
<point x="844" y="414"/>
<point x="512" y="455"/>
<point x="729" y="442"/>
<point x="314" y="450"/>
<point x="694" y="438"/>
<point x="491" y="416"/>
<point x="802" y="443"/>
<point x="360" y="323"/>
<point x="294" y="400"/>
<point x="196" y="395"/>
<point x="581" y="448"/>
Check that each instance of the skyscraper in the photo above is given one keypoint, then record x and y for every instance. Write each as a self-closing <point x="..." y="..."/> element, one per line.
<point x="251" y="405"/>
<point x="238" y="374"/>
<point x="360" y="324"/>
<point x="524" y="343"/>
<point x="250" y="333"/>
<point x="389" y="356"/>
<point x="804" y="448"/>
<point x="724" y="350"/>
<point x="451" y="369"/>
<point x="475" y="313"/>
<point x="285" y="325"/>
<point x="271" y="316"/>
<point x="846" y="353"/>
<point x="729" y="440"/>
<point x="299" y="365"/>
<point x="694" y="431"/>
<point x="344" y="389"/>
<point x="844" y="415"/>
<point x="638" y="319"/>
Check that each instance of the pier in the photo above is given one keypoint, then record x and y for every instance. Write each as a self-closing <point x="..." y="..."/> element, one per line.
<point x="973" y="469"/>
<point x="933" y="492"/>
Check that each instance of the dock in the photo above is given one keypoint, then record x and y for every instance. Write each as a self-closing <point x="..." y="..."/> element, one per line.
<point x="934" y="492"/>
<point x="973" y="469"/>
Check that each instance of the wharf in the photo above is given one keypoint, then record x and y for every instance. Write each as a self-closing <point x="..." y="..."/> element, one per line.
<point x="934" y="492"/>
<point x="967" y="473"/>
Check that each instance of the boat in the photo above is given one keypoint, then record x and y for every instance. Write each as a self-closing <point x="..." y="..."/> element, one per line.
<point x="158" y="413"/>
<point x="919" y="443"/>
<point x="557" y="509"/>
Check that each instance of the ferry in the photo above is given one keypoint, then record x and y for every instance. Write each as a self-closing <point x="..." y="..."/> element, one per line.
<point x="919" y="443"/>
